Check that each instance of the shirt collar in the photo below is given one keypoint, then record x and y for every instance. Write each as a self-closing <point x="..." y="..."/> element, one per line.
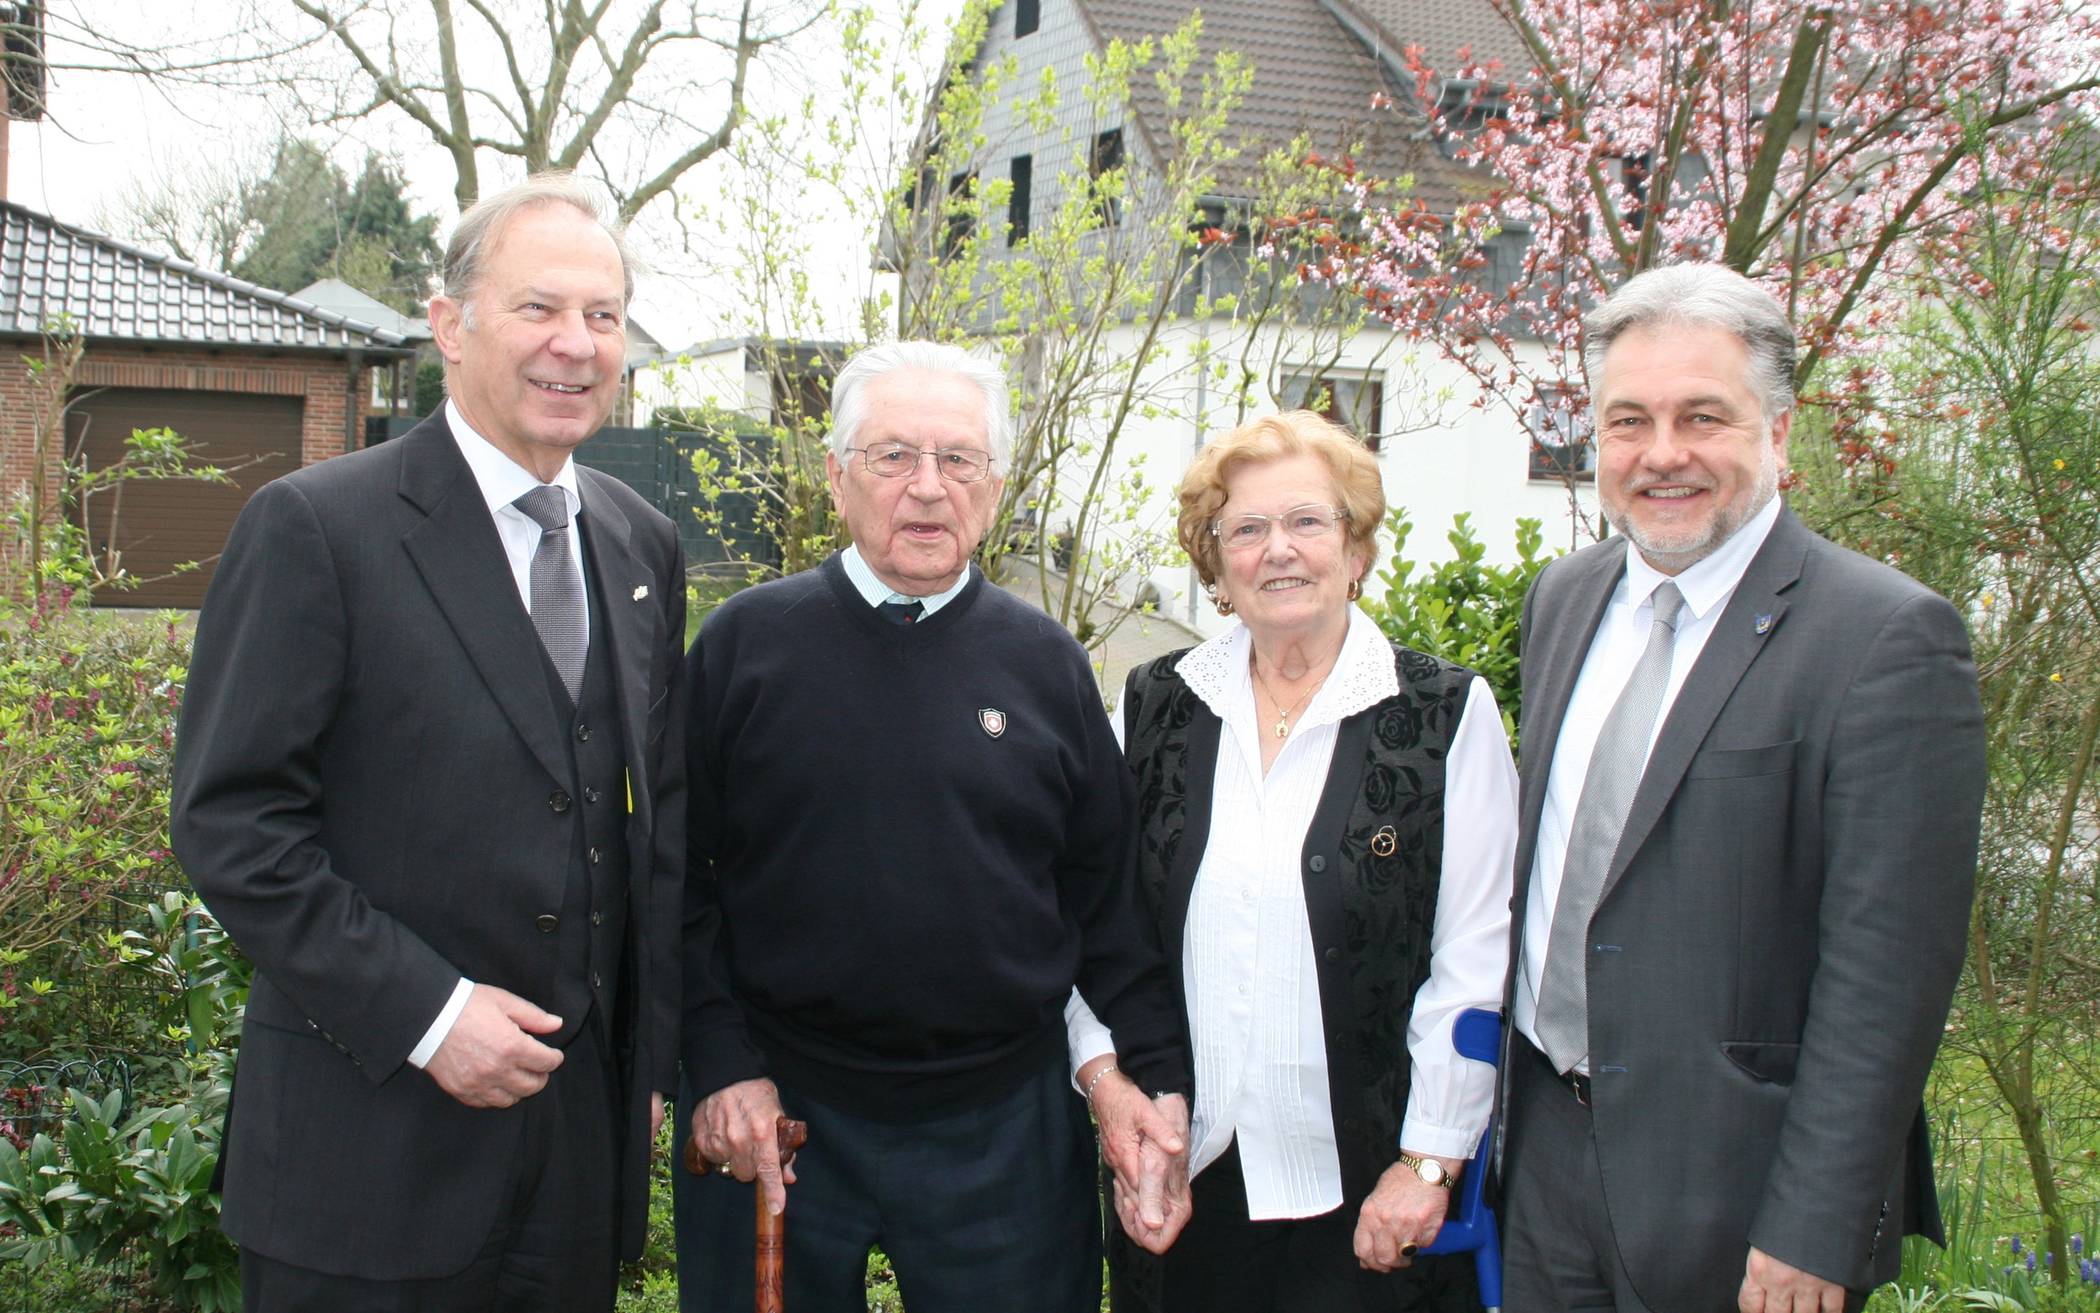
<point x="502" y="480"/>
<point x="1218" y="671"/>
<point x="1711" y="580"/>
<point x="875" y="592"/>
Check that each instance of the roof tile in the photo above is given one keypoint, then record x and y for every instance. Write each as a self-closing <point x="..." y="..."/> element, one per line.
<point x="114" y="290"/>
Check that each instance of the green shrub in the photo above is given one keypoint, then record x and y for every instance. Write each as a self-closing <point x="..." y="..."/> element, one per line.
<point x="1463" y="610"/>
<point x="130" y="1188"/>
<point x="87" y="728"/>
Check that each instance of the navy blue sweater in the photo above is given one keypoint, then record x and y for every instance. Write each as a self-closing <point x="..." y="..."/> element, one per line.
<point x="888" y="903"/>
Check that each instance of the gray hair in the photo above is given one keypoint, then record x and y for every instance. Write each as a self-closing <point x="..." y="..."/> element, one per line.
<point x="849" y="407"/>
<point x="1701" y="296"/>
<point x="487" y="217"/>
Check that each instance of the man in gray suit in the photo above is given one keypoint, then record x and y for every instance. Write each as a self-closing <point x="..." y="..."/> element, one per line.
<point x="1753" y="769"/>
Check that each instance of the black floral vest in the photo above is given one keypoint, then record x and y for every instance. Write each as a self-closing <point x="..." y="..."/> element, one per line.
<point x="1372" y="857"/>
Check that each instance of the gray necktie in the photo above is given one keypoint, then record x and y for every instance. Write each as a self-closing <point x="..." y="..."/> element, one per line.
<point x="557" y="588"/>
<point x="1621" y="754"/>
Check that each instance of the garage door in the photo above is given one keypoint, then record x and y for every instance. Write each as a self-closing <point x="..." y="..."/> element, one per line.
<point x="160" y="524"/>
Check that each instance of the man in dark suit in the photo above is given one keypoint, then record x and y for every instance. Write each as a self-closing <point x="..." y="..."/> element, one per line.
<point x="1752" y="772"/>
<point x="430" y="776"/>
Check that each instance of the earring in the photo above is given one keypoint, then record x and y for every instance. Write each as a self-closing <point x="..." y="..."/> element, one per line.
<point x="1219" y="600"/>
<point x="1356" y="589"/>
<point x="1224" y="606"/>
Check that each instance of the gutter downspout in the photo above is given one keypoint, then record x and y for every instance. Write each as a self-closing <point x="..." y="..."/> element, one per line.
<point x="351" y="397"/>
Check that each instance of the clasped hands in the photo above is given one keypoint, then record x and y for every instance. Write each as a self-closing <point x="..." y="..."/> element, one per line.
<point x="1145" y="1142"/>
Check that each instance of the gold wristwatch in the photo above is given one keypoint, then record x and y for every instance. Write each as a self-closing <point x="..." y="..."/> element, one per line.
<point x="1429" y="1169"/>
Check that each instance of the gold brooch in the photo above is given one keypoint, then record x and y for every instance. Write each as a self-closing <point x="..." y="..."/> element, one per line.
<point x="1385" y="842"/>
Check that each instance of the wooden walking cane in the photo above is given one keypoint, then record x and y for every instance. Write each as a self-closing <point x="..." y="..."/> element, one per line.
<point x="769" y="1252"/>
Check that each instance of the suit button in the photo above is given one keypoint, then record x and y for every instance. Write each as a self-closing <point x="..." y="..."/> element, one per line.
<point x="597" y="918"/>
<point x="590" y="795"/>
<point x="1333" y="955"/>
<point x="583" y="733"/>
<point x="595" y="856"/>
<point x="1318" y="864"/>
<point x="548" y="922"/>
<point x="558" y="801"/>
<point x="595" y="982"/>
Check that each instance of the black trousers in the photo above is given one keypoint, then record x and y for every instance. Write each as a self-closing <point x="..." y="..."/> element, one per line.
<point x="553" y="1249"/>
<point x="987" y="1208"/>
<point x="1558" y="1248"/>
<point x="1224" y="1263"/>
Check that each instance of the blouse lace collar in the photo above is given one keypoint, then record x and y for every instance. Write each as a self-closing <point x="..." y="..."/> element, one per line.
<point x="1218" y="672"/>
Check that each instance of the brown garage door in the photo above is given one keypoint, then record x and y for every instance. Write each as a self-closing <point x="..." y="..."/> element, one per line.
<point x="160" y="524"/>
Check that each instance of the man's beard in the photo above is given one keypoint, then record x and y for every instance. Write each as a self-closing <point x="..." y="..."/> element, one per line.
<point x="1678" y="555"/>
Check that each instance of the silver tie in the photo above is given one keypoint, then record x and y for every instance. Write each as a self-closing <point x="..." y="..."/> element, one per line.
<point x="557" y="588"/>
<point x="1621" y="754"/>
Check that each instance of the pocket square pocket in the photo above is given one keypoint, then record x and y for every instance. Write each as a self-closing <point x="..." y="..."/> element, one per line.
<point x="1771" y="1061"/>
<point x="1736" y="763"/>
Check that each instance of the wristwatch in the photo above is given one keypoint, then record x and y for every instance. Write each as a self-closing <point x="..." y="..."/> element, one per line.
<point x="1429" y="1169"/>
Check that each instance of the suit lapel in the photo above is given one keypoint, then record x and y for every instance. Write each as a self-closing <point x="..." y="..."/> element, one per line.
<point x="1557" y="653"/>
<point x="630" y="621"/>
<point x="461" y="560"/>
<point x="1752" y="614"/>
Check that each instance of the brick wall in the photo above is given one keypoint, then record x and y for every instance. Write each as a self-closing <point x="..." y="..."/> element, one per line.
<point x="321" y="380"/>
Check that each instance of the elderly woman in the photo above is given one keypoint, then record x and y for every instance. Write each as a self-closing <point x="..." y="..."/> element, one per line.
<point x="1327" y="826"/>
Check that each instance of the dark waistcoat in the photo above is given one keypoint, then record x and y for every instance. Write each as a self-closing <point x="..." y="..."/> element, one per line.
<point x="1372" y="857"/>
<point x="587" y="937"/>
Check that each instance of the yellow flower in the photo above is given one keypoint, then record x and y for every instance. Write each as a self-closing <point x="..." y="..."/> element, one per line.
<point x="2056" y="677"/>
<point x="2058" y="463"/>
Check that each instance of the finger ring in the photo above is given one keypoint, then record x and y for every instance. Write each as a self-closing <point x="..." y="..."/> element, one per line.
<point x="1407" y="1251"/>
<point x="725" y="1168"/>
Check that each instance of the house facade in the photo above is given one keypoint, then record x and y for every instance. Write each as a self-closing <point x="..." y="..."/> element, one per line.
<point x="257" y="381"/>
<point x="1318" y="69"/>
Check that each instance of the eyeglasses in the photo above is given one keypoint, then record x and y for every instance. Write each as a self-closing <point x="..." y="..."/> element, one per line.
<point x="1301" y="522"/>
<point x="897" y="460"/>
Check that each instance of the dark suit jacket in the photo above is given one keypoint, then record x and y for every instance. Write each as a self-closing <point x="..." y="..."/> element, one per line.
<point x="1786" y="915"/>
<point x="367" y="751"/>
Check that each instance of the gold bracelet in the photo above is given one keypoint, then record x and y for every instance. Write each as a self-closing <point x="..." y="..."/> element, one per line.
<point x="1096" y="1081"/>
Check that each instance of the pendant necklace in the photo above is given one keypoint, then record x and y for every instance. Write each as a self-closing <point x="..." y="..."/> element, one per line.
<point x="1283" y="715"/>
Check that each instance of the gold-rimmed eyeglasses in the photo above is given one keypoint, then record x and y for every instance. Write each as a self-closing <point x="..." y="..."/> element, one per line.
<point x="898" y="460"/>
<point x="1311" y="520"/>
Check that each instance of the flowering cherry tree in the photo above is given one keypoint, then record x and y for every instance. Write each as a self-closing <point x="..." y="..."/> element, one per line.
<point x="1818" y="149"/>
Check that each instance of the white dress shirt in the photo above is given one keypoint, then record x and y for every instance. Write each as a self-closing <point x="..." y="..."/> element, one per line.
<point x="1621" y="637"/>
<point x="870" y="586"/>
<point x="502" y="481"/>
<point x="1248" y="968"/>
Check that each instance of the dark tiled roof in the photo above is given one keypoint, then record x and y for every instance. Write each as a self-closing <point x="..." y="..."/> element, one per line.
<point x="115" y="291"/>
<point x="1312" y="75"/>
<point x="1442" y="28"/>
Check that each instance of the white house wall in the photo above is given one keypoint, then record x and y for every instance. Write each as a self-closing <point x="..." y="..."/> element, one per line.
<point x="1471" y="459"/>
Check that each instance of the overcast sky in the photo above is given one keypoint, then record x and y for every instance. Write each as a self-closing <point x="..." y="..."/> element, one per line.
<point x="108" y="133"/>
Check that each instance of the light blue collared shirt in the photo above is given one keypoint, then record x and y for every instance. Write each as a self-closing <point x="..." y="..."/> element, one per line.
<point x="877" y="592"/>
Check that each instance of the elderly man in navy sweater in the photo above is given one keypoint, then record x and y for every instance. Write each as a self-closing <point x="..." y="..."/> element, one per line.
<point x="909" y="833"/>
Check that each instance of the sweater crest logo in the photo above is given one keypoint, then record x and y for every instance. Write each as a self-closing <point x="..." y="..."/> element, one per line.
<point x="993" y="720"/>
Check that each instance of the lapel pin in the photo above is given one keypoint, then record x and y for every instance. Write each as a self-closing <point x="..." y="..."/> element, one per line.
<point x="993" y="720"/>
<point x="1385" y="841"/>
<point x="1764" y="623"/>
<point x="642" y="591"/>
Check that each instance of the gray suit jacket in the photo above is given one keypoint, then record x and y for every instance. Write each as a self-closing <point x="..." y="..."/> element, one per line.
<point x="1784" y="920"/>
<point x="363" y="774"/>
